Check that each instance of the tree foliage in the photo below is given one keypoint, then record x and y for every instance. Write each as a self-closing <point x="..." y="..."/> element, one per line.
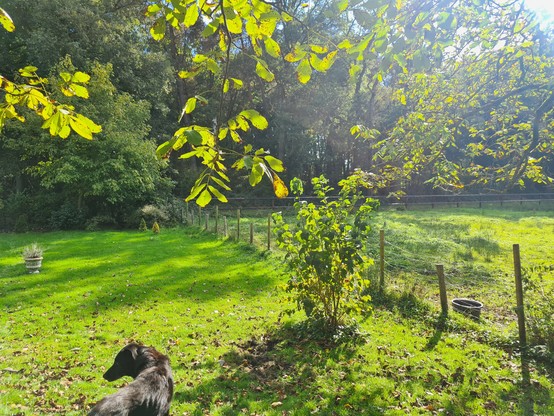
<point x="445" y="94"/>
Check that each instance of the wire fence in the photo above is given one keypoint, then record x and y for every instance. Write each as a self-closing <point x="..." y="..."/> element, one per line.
<point x="544" y="200"/>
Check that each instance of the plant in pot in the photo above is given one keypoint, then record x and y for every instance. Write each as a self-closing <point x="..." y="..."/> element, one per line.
<point x="32" y="254"/>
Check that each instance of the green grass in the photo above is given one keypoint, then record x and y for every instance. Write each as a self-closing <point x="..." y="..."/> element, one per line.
<point x="213" y="307"/>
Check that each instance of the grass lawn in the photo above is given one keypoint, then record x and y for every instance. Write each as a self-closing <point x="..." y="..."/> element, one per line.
<point x="213" y="307"/>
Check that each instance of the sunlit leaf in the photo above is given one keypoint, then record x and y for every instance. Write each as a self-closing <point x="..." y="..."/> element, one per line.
<point x="211" y="28"/>
<point x="204" y="198"/>
<point x="304" y="71"/>
<point x="279" y="187"/>
<point x="217" y="194"/>
<point x="272" y="47"/>
<point x="263" y="71"/>
<point x="256" y="174"/>
<point x="235" y="25"/>
<point x="191" y="16"/>
<point x="190" y="105"/>
<point x="158" y="30"/>
<point x="195" y="191"/>
<point x="257" y="120"/>
<point x="79" y="90"/>
<point x="6" y="21"/>
<point x="80" y="77"/>
<point x="274" y="163"/>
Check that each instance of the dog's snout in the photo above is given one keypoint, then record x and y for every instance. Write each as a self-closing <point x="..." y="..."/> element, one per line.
<point x="113" y="373"/>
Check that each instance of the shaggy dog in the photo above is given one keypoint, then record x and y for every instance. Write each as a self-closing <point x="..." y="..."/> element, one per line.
<point x="149" y="394"/>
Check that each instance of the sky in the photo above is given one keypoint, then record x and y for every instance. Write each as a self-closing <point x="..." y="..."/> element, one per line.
<point x="543" y="8"/>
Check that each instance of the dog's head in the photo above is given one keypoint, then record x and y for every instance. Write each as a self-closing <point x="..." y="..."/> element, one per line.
<point x="128" y="362"/>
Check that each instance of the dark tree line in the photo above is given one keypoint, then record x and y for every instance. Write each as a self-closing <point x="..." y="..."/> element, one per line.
<point x="427" y="96"/>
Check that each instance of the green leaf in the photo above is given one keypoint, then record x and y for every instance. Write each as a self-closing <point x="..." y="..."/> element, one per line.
<point x="153" y="9"/>
<point x="345" y="44"/>
<point x="217" y="194"/>
<point x="257" y="120"/>
<point x="263" y="71"/>
<point x="28" y="71"/>
<point x="274" y="163"/>
<point x="193" y="137"/>
<point x="190" y="105"/>
<point x="191" y="16"/>
<point x="296" y="54"/>
<point x="272" y="47"/>
<point x="304" y="71"/>
<point x="164" y="148"/>
<point x="237" y="83"/>
<point x="196" y="189"/>
<point x="318" y="49"/>
<point x="6" y="21"/>
<point x="341" y="5"/>
<point x="80" y="77"/>
<point x="64" y="132"/>
<point x="83" y="126"/>
<point x="354" y="69"/>
<point x="256" y="174"/>
<point x="80" y="128"/>
<point x="158" y="30"/>
<point x="221" y="183"/>
<point x="211" y="28"/>
<point x="204" y="198"/>
<point x="235" y="25"/>
<point x="286" y="17"/>
<point x="79" y="90"/>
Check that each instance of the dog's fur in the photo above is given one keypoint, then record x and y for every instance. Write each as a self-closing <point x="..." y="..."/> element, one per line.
<point x="149" y="394"/>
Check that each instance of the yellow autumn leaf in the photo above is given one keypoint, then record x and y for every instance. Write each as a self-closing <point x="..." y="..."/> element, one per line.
<point x="279" y="187"/>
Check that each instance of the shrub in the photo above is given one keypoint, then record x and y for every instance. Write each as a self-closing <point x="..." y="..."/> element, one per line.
<point x="326" y="251"/>
<point x="156" y="227"/>
<point x="154" y="213"/>
<point x="22" y="224"/>
<point x="142" y="225"/>
<point x="67" y="217"/>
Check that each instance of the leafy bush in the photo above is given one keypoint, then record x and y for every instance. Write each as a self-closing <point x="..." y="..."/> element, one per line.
<point x="142" y="225"/>
<point x="539" y="310"/>
<point x="67" y="217"/>
<point x="326" y="250"/>
<point x="22" y="224"/>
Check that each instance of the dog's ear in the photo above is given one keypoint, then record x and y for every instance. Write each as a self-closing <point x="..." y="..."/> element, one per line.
<point x="124" y="363"/>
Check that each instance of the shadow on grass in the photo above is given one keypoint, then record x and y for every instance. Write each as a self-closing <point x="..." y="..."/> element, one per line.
<point x="278" y="372"/>
<point x="107" y="269"/>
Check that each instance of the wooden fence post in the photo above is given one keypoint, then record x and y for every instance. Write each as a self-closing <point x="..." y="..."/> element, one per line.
<point x="519" y="298"/>
<point x="269" y="232"/>
<point x="442" y="289"/>
<point x="381" y="259"/>
<point x="216" y="219"/>
<point x="225" y="227"/>
<point x="251" y="233"/>
<point x="207" y="221"/>
<point x="238" y="224"/>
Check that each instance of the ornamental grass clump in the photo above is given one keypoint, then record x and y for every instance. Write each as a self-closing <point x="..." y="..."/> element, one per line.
<point x="326" y="251"/>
